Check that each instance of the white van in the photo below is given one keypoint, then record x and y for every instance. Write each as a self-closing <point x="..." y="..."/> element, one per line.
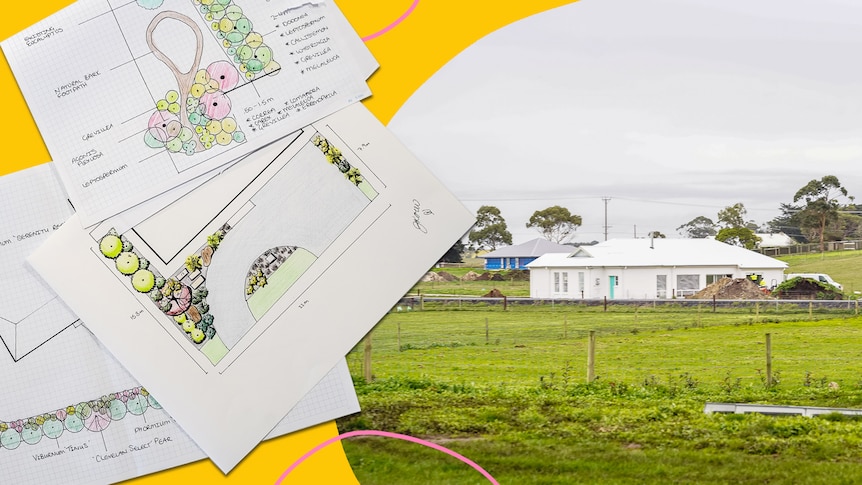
<point x="821" y="277"/>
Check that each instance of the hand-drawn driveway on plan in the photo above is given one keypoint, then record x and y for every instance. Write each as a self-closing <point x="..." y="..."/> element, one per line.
<point x="308" y="203"/>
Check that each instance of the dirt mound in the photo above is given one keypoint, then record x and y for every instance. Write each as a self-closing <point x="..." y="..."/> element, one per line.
<point x="486" y="276"/>
<point x="497" y="277"/>
<point x="731" y="289"/>
<point x="519" y="275"/>
<point x="431" y="276"/>
<point x="807" y="289"/>
<point x="470" y="276"/>
<point x="495" y="293"/>
<point x="445" y="276"/>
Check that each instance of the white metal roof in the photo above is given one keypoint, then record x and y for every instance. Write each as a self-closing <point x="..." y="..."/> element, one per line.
<point x="656" y="253"/>
<point x="529" y="249"/>
<point x="777" y="240"/>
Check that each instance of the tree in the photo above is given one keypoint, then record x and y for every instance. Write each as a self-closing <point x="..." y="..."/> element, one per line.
<point x="821" y="204"/>
<point x="734" y="229"/>
<point x="738" y="236"/>
<point x="555" y="223"/>
<point x="490" y="229"/>
<point x="787" y="222"/>
<point x="453" y="255"/>
<point x="701" y="227"/>
<point x="732" y="216"/>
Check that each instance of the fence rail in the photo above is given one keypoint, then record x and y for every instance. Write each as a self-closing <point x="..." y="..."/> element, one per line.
<point x="722" y="342"/>
<point x="812" y="248"/>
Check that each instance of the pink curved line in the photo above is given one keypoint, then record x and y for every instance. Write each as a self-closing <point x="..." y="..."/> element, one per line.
<point x="393" y="24"/>
<point x="386" y="434"/>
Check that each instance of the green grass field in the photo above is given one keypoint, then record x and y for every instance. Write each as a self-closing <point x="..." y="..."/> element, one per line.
<point x="518" y="403"/>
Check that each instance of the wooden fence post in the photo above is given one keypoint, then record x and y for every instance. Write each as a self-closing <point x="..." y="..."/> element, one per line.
<point x="769" y="360"/>
<point x="486" y="331"/>
<point x="591" y="357"/>
<point x="366" y="367"/>
<point x="606" y="303"/>
<point x="713" y="303"/>
<point x="811" y="310"/>
<point x="565" y="326"/>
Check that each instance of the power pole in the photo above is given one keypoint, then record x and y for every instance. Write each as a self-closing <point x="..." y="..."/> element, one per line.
<point x="606" y="199"/>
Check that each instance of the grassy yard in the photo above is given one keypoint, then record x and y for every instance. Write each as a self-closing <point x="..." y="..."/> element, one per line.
<point x="519" y="405"/>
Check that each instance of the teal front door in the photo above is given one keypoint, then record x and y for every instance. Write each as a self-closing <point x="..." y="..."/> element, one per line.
<point x="612" y="284"/>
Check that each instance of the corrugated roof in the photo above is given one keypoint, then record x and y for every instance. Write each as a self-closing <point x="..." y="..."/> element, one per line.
<point x="664" y="252"/>
<point x="778" y="240"/>
<point x="529" y="249"/>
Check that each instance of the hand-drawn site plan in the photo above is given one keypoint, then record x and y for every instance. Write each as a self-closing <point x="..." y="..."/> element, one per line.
<point x="133" y="98"/>
<point x="262" y="279"/>
<point x="69" y="412"/>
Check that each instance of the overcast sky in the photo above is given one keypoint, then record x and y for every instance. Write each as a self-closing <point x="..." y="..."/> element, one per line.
<point x="672" y="108"/>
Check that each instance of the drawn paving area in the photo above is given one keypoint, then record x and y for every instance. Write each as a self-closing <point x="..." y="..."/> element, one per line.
<point x="335" y="203"/>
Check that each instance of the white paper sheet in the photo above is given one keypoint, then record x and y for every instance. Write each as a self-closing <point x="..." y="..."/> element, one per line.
<point x="69" y="412"/>
<point x="322" y="245"/>
<point x="133" y="101"/>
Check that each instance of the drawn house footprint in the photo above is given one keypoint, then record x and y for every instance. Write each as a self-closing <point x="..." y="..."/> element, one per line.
<point x="195" y="117"/>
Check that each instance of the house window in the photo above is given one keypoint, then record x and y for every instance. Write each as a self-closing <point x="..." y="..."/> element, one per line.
<point x="687" y="284"/>
<point x="581" y="281"/>
<point x="661" y="286"/>
<point x="561" y="282"/>
<point x="712" y="278"/>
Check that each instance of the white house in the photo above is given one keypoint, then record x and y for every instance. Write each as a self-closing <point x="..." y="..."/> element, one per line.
<point x="644" y="268"/>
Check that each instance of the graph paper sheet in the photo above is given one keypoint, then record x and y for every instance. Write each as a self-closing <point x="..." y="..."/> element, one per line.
<point x="164" y="94"/>
<point x="276" y="267"/>
<point x="69" y="412"/>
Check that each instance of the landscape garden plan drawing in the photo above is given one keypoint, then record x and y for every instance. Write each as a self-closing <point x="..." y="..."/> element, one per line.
<point x="247" y="290"/>
<point x="168" y="90"/>
<point x="69" y="412"/>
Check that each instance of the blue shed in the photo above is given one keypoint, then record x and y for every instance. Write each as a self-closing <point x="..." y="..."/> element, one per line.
<point x="519" y="255"/>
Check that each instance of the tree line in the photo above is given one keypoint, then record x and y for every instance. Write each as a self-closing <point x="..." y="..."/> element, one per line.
<point x="822" y="210"/>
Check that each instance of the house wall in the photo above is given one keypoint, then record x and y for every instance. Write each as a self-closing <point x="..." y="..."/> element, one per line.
<point x="508" y="263"/>
<point x="633" y="283"/>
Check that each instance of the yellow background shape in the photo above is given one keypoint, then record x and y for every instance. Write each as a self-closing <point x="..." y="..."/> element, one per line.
<point x="409" y="54"/>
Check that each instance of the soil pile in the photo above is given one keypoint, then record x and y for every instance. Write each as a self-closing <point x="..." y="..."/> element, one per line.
<point x="806" y="289"/>
<point x="445" y="276"/>
<point x="486" y="276"/>
<point x="431" y="276"/>
<point x="495" y="293"/>
<point x="470" y="276"/>
<point x="731" y="289"/>
<point x="519" y="275"/>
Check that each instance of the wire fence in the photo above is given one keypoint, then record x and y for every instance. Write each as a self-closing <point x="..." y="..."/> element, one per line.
<point x="461" y="342"/>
